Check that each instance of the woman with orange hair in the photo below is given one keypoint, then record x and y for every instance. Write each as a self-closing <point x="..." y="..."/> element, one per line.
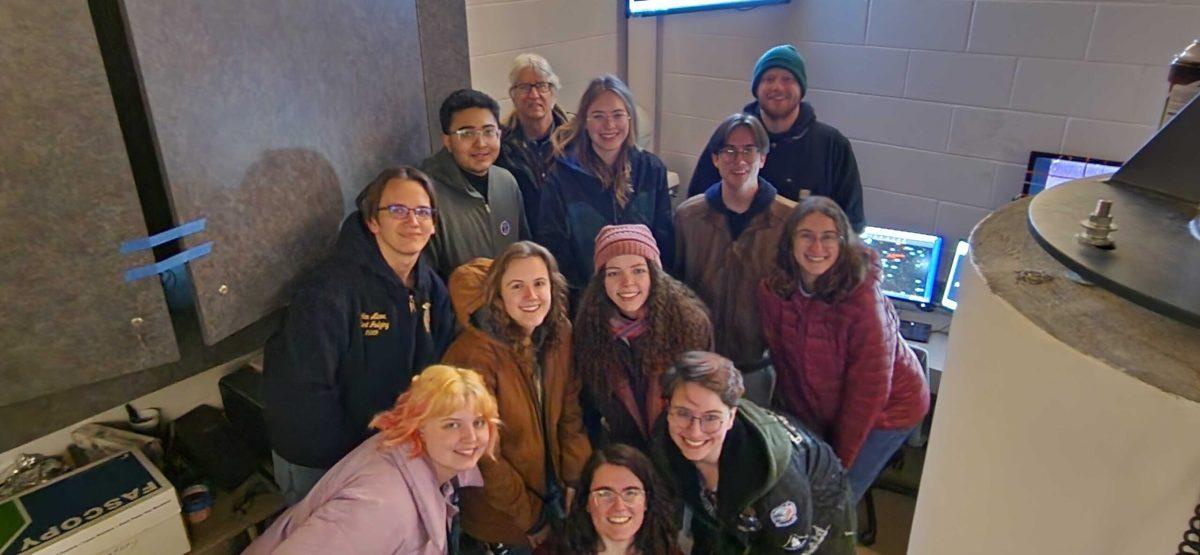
<point x="395" y="493"/>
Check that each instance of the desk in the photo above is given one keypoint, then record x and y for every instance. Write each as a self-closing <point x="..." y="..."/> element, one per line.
<point x="936" y="346"/>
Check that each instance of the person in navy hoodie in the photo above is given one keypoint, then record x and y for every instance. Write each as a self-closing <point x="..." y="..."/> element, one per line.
<point x="601" y="178"/>
<point x="358" y="329"/>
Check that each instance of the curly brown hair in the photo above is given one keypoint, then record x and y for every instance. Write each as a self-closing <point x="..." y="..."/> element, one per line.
<point x="556" y="325"/>
<point x="678" y="321"/>
<point x="847" y="272"/>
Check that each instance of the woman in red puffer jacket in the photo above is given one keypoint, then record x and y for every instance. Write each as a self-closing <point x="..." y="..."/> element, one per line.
<point x="834" y="339"/>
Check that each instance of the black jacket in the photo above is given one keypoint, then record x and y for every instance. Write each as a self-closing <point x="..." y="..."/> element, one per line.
<point x="781" y="490"/>
<point x="530" y="162"/>
<point x="352" y="339"/>
<point x="811" y="155"/>
<point x="575" y="206"/>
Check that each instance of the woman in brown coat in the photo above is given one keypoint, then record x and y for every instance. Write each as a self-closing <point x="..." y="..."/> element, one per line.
<point x="517" y="336"/>
<point x="633" y="321"/>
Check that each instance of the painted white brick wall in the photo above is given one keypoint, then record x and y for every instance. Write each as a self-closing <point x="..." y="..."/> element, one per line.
<point x="942" y="99"/>
<point x="578" y="37"/>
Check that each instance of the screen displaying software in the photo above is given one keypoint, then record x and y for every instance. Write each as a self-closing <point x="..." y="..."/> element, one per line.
<point x="1045" y="170"/>
<point x="950" y="295"/>
<point x="661" y="7"/>
<point x="910" y="261"/>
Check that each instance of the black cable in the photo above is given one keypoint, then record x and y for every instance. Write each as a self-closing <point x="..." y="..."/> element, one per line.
<point x="1191" y="537"/>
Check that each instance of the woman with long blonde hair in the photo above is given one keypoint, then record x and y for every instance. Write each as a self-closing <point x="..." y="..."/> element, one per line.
<point x="513" y="312"/>
<point x="601" y="178"/>
<point x="395" y="492"/>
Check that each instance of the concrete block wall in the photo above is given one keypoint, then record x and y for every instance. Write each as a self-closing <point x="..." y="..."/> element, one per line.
<point x="942" y="99"/>
<point x="578" y="37"/>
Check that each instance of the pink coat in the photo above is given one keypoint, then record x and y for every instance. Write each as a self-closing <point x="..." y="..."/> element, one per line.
<point x="843" y="368"/>
<point x="372" y="501"/>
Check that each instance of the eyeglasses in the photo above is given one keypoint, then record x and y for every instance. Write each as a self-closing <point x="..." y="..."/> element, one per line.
<point x="401" y="212"/>
<point x="600" y="118"/>
<point x="470" y="133"/>
<point x="524" y="89"/>
<point x="605" y="497"/>
<point x="731" y="153"/>
<point x="828" y="239"/>
<point x="682" y="418"/>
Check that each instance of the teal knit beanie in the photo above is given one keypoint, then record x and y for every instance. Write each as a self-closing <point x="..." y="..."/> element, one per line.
<point x="784" y="56"/>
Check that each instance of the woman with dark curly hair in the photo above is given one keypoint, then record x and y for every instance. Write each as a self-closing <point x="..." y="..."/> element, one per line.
<point x="633" y="321"/>
<point x="516" y="335"/>
<point x="625" y="509"/>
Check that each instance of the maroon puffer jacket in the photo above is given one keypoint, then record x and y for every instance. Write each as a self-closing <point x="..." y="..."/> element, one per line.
<point x="843" y="368"/>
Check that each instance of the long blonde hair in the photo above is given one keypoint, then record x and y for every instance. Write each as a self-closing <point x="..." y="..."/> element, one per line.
<point x="440" y="390"/>
<point x="572" y="138"/>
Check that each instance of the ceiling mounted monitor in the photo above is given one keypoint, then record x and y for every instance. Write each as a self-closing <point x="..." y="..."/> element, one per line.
<point x="637" y="8"/>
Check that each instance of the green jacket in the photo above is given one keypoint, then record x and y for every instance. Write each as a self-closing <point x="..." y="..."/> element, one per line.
<point x="781" y="490"/>
<point x="467" y="226"/>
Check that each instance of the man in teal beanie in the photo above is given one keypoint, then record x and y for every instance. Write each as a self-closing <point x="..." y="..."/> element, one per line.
<point x="805" y="154"/>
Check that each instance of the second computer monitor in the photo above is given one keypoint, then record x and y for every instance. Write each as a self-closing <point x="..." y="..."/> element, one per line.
<point x="910" y="261"/>
<point x="950" y="295"/>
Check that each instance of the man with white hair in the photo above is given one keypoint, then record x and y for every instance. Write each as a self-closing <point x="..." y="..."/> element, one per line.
<point x="525" y="149"/>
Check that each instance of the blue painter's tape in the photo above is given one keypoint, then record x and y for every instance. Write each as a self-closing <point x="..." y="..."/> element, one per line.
<point x="177" y="260"/>
<point x="194" y="226"/>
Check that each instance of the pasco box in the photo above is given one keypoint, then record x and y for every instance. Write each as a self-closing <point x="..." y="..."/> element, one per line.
<point x="121" y="504"/>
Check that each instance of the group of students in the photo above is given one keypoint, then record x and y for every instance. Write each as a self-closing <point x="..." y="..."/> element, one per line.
<point x="726" y="379"/>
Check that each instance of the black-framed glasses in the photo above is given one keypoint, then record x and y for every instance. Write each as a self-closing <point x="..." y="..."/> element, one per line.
<point x="829" y="239"/>
<point x="524" y="89"/>
<point x="401" y="211"/>
<point x="681" y="418"/>
<point x="471" y="133"/>
<point x="731" y="153"/>
<point x="633" y="497"/>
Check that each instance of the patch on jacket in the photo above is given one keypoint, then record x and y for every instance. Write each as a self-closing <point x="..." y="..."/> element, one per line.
<point x="373" y="323"/>
<point x="784" y="515"/>
<point x="808" y="542"/>
<point x="505" y="228"/>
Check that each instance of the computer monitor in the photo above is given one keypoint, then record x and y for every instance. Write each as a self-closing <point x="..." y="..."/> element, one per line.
<point x="662" y="7"/>
<point x="950" y="295"/>
<point x="910" y="261"/>
<point x="1047" y="169"/>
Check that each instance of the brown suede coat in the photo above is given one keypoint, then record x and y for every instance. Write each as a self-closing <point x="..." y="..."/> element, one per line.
<point x="510" y="501"/>
<point x="725" y="273"/>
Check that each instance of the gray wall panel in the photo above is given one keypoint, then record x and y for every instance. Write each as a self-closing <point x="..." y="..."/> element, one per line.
<point x="445" y="55"/>
<point x="67" y="200"/>
<point x="269" y="117"/>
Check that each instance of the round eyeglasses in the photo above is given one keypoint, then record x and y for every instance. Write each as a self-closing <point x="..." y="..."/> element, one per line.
<point x="402" y="212"/>
<point x="605" y="497"/>
<point x="681" y="418"/>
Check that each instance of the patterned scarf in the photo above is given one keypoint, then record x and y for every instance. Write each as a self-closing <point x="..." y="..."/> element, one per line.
<point x="626" y="329"/>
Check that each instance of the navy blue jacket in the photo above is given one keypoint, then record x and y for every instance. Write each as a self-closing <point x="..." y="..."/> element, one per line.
<point x="811" y="155"/>
<point x="352" y="339"/>
<point x="575" y="206"/>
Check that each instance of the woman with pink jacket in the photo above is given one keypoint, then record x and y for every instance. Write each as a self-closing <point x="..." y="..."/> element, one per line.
<point x="842" y="367"/>
<point x="395" y="493"/>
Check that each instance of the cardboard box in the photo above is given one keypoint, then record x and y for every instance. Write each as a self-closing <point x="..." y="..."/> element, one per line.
<point x="121" y="504"/>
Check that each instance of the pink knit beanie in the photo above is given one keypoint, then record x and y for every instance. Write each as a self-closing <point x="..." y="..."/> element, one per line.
<point x="615" y="240"/>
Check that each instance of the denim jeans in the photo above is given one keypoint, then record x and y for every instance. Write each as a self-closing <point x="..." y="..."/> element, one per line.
<point x="875" y="453"/>
<point x="294" y="480"/>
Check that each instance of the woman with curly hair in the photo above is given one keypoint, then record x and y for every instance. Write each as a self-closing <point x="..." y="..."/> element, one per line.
<point x="395" y="492"/>
<point x="516" y="334"/>
<point x="633" y="321"/>
<point x="625" y="509"/>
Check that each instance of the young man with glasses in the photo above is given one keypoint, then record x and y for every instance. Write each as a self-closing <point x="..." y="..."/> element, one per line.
<point x="726" y="241"/>
<point x="525" y="149"/>
<point x="358" y="329"/>
<point x="481" y="209"/>
<point x="751" y="480"/>
<point x="805" y="154"/>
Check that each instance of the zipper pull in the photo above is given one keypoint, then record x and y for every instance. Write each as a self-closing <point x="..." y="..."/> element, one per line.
<point x="425" y="309"/>
<point x="412" y="304"/>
